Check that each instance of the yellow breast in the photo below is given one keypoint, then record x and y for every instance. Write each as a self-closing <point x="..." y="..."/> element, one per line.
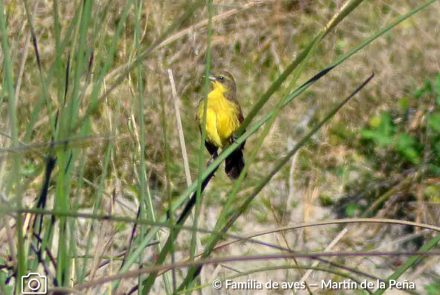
<point x="222" y="118"/>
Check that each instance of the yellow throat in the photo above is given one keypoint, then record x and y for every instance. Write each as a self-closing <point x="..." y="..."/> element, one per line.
<point x="222" y="117"/>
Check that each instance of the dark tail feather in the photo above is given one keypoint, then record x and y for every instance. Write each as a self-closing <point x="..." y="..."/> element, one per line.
<point x="234" y="164"/>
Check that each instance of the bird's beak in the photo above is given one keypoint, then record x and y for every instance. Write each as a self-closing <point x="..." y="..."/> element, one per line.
<point x="210" y="77"/>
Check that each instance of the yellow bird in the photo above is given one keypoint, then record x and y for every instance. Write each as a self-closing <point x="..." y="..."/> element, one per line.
<point x="223" y="117"/>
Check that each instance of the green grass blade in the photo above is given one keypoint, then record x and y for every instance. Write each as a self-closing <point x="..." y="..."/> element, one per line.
<point x="238" y="212"/>
<point x="201" y="164"/>
<point x="15" y="179"/>
<point x="149" y="211"/>
<point x="56" y="68"/>
<point x="94" y="106"/>
<point x="346" y="10"/>
<point x="409" y="263"/>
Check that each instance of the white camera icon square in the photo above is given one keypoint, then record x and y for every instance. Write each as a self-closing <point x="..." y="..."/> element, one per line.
<point x="36" y="284"/>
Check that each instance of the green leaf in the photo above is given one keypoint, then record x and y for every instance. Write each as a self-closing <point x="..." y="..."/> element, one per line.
<point x="386" y="125"/>
<point x="383" y="134"/>
<point x="427" y="88"/>
<point x="374" y="121"/>
<point x="434" y="122"/>
<point x="406" y="145"/>
<point x="405" y="141"/>
<point x="351" y="210"/>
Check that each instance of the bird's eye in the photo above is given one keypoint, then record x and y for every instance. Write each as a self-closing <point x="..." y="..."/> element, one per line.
<point x="221" y="78"/>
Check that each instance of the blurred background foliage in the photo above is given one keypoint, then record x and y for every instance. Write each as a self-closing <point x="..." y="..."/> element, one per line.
<point x="379" y="156"/>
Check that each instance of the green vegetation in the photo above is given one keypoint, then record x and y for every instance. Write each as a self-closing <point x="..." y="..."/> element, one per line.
<point x="401" y="146"/>
<point x="101" y="151"/>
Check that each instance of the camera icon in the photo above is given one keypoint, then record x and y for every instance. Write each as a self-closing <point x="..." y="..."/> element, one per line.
<point x="33" y="283"/>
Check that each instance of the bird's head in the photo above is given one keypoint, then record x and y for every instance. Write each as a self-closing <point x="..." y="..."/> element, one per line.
<point x="223" y="81"/>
